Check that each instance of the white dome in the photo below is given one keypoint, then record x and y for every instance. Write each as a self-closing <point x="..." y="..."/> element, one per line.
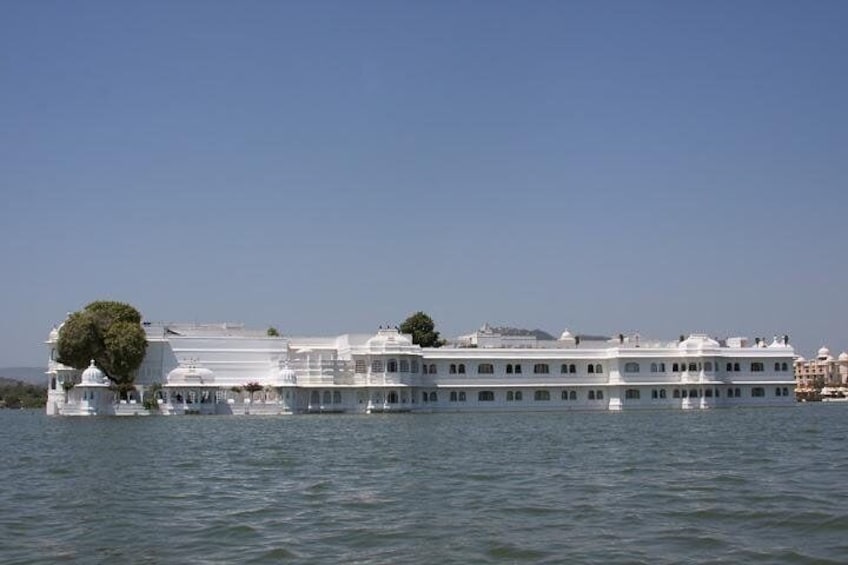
<point x="389" y="337"/>
<point x="800" y="359"/>
<point x="565" y="335"/>
<point x="843" y="356"/>
<point x="697" y="341"/>
<point x="183" y="374"/>
<point x="823" y="353"/>
<point x="287" y="375"/>
<point x="93" y="376"/>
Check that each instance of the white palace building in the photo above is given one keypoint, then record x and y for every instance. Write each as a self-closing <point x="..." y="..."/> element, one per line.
<point x="228" y="369"/>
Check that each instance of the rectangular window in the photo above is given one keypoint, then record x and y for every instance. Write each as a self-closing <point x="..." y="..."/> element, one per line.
<point x="359" y="366"/>
<point x="485" y="369"/>
<point x="542" y="395"/>
<point x="541" y="368"/>
<point x="376" y="366"/>
<point x="485" y="396"/>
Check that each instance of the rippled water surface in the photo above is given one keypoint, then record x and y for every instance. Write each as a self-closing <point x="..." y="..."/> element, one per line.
<point x="720" y="486"/>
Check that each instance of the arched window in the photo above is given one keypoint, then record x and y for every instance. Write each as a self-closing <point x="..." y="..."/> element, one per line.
<point x="736" y="367"/>
<point x="631" y="367"/>
<point x="785" y="391"/>
<point x="542" y="395"/>
<point x="462" y="396"/>
<point x="517" y="369"/>
<point x="708" y="366"/>
<point x="591" y="395"/>
<point x="777" y="366"/>
<point x="729" y="367"/>
<point x="572" y="368"/>
<point x="315" y="397"/>
<point x="591" y="369"/>
<point x="777" y="391"/>
<point x="376" y="366"/>
<point x="541" y="369"/>
<point x="485" y="396"/>
<point x="414" y="366"/>
<point x="599" y="394"/>
<point x="654" y="369"/>
<point x="784" y="367"/>
<point x="518" y="395"/>
<point x="461" y="368"/>
<point x="424" y="368"/>
<point x="485" y="369"/>
<point x="509" y="369"/>
<point x="572" y="395"/>
<point x="662" y="367"/>
<point x="684" y="393"/>
<point x="693" y="393"/>
<point x="392" y="366"/>
<point x="655" y="393"/>
<point x="328" y="398"/>
<point x="662" y="393"/>
<point x="337" y="397"/>
<point x="510" y="396"/>
<point x="675" y="393"/>
<point x="599" y="368"/>
<point x="738" y="392"/>
<point x="564" y="395"/>
<point x="404" y="366"/>
<point x="453" y="396"/>
<point x="563" y="368"/>
<point x="452" y="369"/>
<point x="432" y="368"/>
<point x="434" y="397"/>
<point x="708" y="393"/>
<point x="424" y="396"/>
<point x="693" y="367"/>
<point x="674" y="367"/>
<point x="631" y="394"/>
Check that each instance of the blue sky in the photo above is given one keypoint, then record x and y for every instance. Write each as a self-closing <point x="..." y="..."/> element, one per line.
<point x="661" y="167"/>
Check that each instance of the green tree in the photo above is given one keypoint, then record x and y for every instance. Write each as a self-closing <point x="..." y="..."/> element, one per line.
<point x="108" y="332"/>
<point x="251" y="388"/>
<point x="423" y="330"/>
<point x="273" y="332"/>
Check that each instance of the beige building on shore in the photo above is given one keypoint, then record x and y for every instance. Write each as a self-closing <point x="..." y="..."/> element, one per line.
<point x="824" y="371"/>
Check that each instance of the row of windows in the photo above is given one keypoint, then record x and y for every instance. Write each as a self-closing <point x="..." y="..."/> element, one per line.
<point x="629" y="394"/>
<point x="405" y="366"/>
<point x="518" y="395"/>
<point x="334" y="397"/>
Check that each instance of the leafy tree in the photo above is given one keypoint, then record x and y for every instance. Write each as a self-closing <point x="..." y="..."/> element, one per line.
<point x="108" y="332"/>
<point x="251" y="388"/>
<point x="423" y="330"/>
<point x="273" y="332"/>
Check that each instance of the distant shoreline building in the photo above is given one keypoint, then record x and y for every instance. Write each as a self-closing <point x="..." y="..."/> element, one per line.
<point x="822" y="376"/>
<point x="228" y="369"/>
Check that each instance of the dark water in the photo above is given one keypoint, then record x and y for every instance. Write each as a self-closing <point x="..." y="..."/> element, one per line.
<point x="721" y="486"/>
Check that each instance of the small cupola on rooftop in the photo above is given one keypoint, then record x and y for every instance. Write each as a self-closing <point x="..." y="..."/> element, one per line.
<point x="93" y="376"/>
<point x="823" y="354"/>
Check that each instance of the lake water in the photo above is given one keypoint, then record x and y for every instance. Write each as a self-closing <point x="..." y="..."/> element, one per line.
<point x="719" y="486"/>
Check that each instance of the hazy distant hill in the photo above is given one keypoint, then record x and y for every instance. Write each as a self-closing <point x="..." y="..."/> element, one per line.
<point x="540" y="334"/>
<point x="32" y="375"/>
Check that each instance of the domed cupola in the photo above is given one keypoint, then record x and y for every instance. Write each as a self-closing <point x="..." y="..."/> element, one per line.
<point x="843" y="356"/>
<point x="823" y="354"/>
<point x="287" y="375"/>
<point x="389" y="337"/>
<point x="93" y="376"/>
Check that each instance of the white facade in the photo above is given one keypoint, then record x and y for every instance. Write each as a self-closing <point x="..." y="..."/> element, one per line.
<point x="226" y="369"/>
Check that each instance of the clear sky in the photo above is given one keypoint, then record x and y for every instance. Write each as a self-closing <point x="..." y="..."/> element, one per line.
<point x="325" y="167"/>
